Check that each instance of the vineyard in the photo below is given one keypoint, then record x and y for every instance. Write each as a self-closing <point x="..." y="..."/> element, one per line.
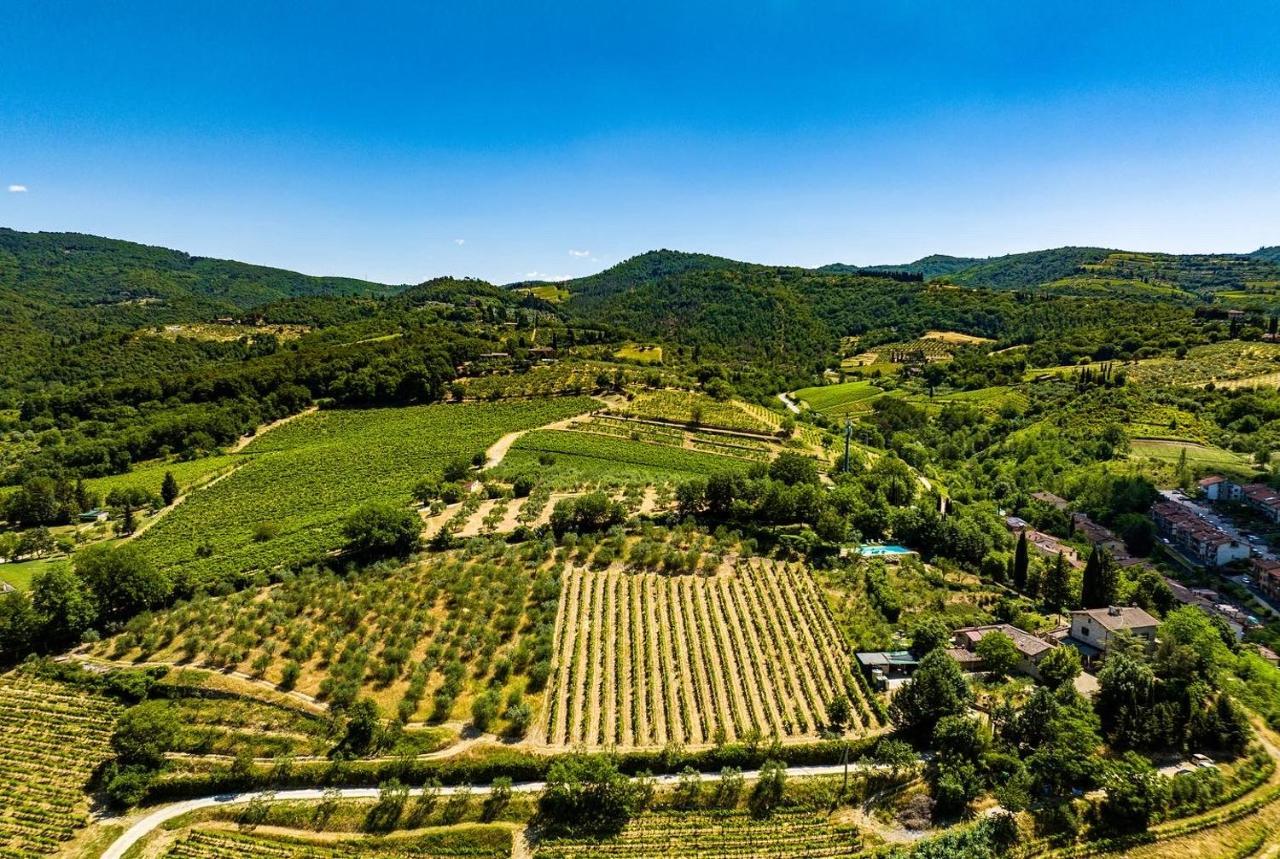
<point x="53" y="738"/>
<point x="473" y="841"/>
<point x="689" y="408"/>
<point x="785" y="833"/>
<point x="841" y="399"/>
<point x="990" y="399"/>
<point x="227" y="724"/>
<point x="645" y="659"/>
<point x="148" y="476"/>
<point x="422" y="641"/>
<point x="736" y="446"/>
<point x="303" y="478"/>
<point x="591" y="457"/>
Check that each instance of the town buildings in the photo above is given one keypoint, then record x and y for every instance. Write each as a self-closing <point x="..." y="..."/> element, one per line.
<point x="1195" y="537"/>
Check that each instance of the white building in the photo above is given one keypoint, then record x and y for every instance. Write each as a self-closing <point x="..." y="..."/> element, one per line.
<point x="1097" y="627"/>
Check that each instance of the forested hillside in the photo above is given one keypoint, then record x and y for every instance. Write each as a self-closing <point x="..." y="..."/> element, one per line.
<point x="61" y="289"/>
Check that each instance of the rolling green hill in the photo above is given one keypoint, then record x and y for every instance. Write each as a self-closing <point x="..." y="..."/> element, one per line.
<point x="648" y="268"/>
<point x="57" y="288"/>
<point x="1026" y="270"/>
<point x="75" y="270"/>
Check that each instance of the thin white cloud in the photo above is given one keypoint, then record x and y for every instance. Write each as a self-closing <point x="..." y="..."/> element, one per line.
<point x="459" y="242"/>
<point x="537" y="275"/>
<point x="17" y="189"/>
<point x="574" y="253"/>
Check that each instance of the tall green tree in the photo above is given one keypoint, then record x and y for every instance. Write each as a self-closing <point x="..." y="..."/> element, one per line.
<point x="1099" y="583"/>
<point x="169" y="490"/>
<point x="587" y="793"/>
<point x="65" y="604"/>
<point x="1126" y="701"/>
<point x="1021" y="561"/>
<point x="937" y="689"/>
<point x="1056" y="592"/>
<point x="379" y="529"/>
<point x="998" y="653"/>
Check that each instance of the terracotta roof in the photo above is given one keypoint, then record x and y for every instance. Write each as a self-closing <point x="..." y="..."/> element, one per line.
<point x="1028" y="645"/>
<point x="1262" y="494"/>
<point x="1210" y="481"/>
<point x="963" y="656"/>
<point x="1117" y="618"/>
<point x="1266" y="565"/>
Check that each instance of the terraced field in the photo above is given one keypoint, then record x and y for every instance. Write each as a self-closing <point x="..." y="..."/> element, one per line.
<point x="53" y="738"/>
<point x="737" y="446"/>
<point x="644" y="659"/>
<point x="1217" y="362"/>
<point x="690" y="408"/>
<point x="1266" y="380"/>
<point x="551" y="380"/>
<point x="784" y="834"/>
<point x="478" y="841"/>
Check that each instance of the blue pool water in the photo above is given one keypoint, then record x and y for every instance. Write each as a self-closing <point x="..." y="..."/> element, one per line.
<point x="876" y="551"/>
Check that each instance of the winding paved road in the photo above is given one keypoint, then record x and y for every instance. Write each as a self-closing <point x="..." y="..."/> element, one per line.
<point x="164" y="813"/>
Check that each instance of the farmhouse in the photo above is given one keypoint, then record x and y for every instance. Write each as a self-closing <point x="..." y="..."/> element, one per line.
<point x="1098" y="627"/>
<point x="1195" y="537"/>
<point x="1031" y="648"/>
<point x="1057" y="502"/>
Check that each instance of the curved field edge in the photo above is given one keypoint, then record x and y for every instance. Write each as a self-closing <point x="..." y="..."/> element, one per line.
<point x="303" y="478"/>
<point x="595" y="456"/>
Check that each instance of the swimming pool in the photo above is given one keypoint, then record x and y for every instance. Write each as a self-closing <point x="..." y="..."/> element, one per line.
<point x="874" y="551"/>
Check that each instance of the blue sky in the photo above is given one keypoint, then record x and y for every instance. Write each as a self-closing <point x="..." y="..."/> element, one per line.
<point x="399" y="142"/>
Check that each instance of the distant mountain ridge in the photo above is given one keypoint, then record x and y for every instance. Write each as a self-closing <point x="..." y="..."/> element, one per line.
<point x="59" y="285"/>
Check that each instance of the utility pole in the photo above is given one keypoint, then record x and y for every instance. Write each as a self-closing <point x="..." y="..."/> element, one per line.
<point x="844" y="790"/>
<point x="848" y="436"/>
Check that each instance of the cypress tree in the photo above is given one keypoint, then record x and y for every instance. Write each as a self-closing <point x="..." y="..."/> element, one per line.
<point x="169" y="488"/>
<point x="1020" y="563"/>
<point x="1098" y="590"/>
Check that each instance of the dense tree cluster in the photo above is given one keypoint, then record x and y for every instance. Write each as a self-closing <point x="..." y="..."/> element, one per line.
<point x="105" y="586"/>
